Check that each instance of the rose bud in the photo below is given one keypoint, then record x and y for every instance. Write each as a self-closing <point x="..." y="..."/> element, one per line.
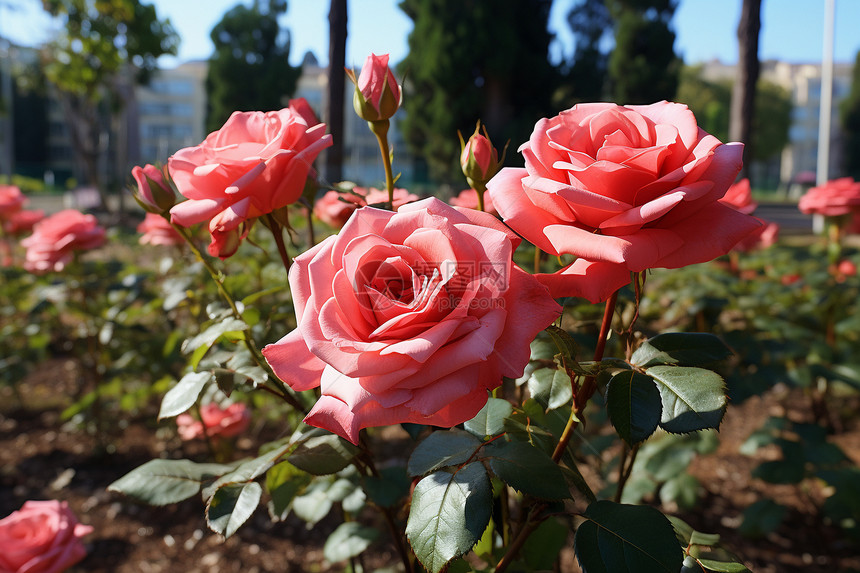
<point x="479" y="160"/>
<point x="153" y="192"/>
<point x="377" y="95"/>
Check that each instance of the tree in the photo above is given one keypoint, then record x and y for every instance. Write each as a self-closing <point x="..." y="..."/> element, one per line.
<point x="250" y="69"/>
<point x="643" y="66"/>
<point x="591" y="23"/>
<point x="337" y="18"/>
<point x="470" y="60"/>
<point x="851" y="124"/>
<point x="744" y="91"/>
<point x="102" y="46"/>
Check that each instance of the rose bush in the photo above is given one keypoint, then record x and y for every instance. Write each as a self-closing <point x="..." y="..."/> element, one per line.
<point x="834" y="198"/>
<point x="256" y="163"/>
<point x="156" y="230"/>
<point x="219" y="422"/>
<point x="409" y="317"/>
<point x="41" y="537"/>
<point x="622" y="188"/>
<point x="55" y="240"/>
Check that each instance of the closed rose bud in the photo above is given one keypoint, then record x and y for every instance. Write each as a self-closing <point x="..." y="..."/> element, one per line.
<point x="377" y="95"/>
<point x="153" y="192"/>
<point x="478" y="159"/>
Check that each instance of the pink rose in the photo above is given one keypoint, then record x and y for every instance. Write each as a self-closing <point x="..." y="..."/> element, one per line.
<point x="22" y="222"/>
<point x="154" y="193"/>
<point x="468" y="198"/>
<point x="55" y="239"/>
<point x="220" y="423"/>
<point x="834" y="198"/>
<point x="409" y="317"/>
<point x="623" y="188"/>
<point x="156" y="230"/>
<point x="844" y="269"/>
<point x="479" y="160"/>
<point x="257" y="163"/>
<point x="790" y="279"/>
<point x="11" y="201"/>
<point x="377" y="95"/>
<point x="301" y="107"/>
<point x="762" y="238"/>
<point x="335" y="208"/>
<point x="41" y="537"/>
<point x="739" y="197"/>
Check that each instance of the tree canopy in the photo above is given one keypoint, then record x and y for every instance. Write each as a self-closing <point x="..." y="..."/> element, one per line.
<point x="250" y="69"/>
<point x="850" y="111"/>
<point x="470" y="60"/>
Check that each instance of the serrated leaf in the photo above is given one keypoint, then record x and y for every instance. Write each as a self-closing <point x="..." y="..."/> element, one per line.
<point x="448" y="515"/>
<point x="231" y="506"/>
<point x="348" y="540"/>
<point x="563" y="341"/>
<point x="693" y="398"/>
<point x="247" y="471"/>
<point x="629" y="538"/>
<point x="284" y="481"/>
<point x="391" y="485"/>
<point x="682" y="349"/>
<point x="634" y="406"/>
<point x="184" y="395"/>
<point x="160" y="482"/>
<point x="551" y="387"/>
<point x="526" y="469"/>
<point x="490" y="420"/>
<point x="323" y="455"/>
<point x="440" y="449"/>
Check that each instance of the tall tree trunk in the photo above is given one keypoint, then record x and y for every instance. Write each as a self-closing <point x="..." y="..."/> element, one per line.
<point x="337" y="18"/>
<point x="82" y="120"/>
<point x="743" y="94"/>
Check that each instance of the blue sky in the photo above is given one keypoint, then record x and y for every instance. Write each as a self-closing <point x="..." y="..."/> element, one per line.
<point x="791" y="29"/>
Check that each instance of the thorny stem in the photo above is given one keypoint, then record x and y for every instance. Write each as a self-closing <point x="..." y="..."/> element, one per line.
<point x="581" y="397"/>
<point x="278" y="233"/>
<point x="282" y="391"/>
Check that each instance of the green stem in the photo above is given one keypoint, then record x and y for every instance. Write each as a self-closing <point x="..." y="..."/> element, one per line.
<point x="283" y="390"/>
<point x="624" y="472"/>
<point x="380" y="130"/>
<point x="480" y="189"/>
<point x="278" y="233"/>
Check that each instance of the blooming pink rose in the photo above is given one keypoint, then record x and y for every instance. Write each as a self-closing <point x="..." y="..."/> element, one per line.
<point x="220" y="423"/>
<point x="257" y="163"/>
<point x="623" y="188"/>
<point x="739" y="197"/>
<point x="41" y="537"/>
<point x="11" y="201"/>
<point x="377" y="94"/>
<point x="301" y="107"/>
<point x="335" y="208"/>
<point x="153" y="192"/>
<point x="468" y="198"/>
<point x="156" y="230"/>
<point x="56" y="238"/>
<point x="834" y="198"/>
<point x="409" y="317"/>
<point x="22" y="222"/>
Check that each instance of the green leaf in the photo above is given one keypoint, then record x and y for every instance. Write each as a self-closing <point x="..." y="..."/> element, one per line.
<point x="682" y="489"/>
<point x="563" y="341"/>
<point x="231" y="506"/>
<point x="314" y="504"/>
<point x="184" y="395"/>
<point x="348" y="540"/>
<point x="761" y="518"/>
<point x="551" y="387"/>
<point x="634" y="406"/>
<point x="160" y="482"/>
<point x="722" y="566"/>
<point x="693" y="398"/>
<point x="788" y="471"/>
<point x="490" y="421"/>
<point x="681" y="348"/>
<point x="448" y="515"/>
<point x="322" y="455"/>
<point x="247" y="471"/>
<point x="389" y="487"/>
<point x="629" y="538"/>
<point x="526" y="469"/>
<point x="442" y="448"/>
<point x="542" y="547"/>
<point x="208" y="337"/>
<point x="284" y="481"/>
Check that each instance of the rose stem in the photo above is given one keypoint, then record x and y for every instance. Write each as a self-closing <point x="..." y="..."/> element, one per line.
<point x="284" y="392"/>
<point x="585" y="392"/>
<point x="311" y="237"/>
<point x="380" y="130"/>
<point x="278" y="233"/>
<point x="480" y="188"/>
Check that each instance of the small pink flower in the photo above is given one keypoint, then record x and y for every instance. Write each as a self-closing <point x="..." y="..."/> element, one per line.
<point x="739" y="197"/>
<point x="845" y="269"/>
<point x="41" y="537"/>
<point x="22" y="222"/>
<point x="335" y="208"/>
<point x="153" y="193"/>
<point x="156" y="230"/>
<point x="301" y="107"/>
<point x="11" y="201"/>
<point x="377" y="94"/>
<point x="220" y="423"/>
<point x="834" y="198"/>
<point x="468" y="198"/>
<point x="55" y="239"/>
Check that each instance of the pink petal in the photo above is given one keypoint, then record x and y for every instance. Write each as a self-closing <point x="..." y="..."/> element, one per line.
<point x="585" y="279"/>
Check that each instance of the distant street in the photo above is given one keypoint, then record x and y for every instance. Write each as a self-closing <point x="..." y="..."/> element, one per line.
<point x="791" y="221"/>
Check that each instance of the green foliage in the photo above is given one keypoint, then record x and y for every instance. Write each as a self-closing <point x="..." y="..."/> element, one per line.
<point x="250" y="69"/>
<point x="348" y="540"/>
<point x="526" y="469"/>
<point x="231" y="506"/>
<point x="458" y="71"/>
<point x="633" y="404"/>
<point x="160" y="482"/>
<point x="490" y="421"/>
<point x="703" y="551"/>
